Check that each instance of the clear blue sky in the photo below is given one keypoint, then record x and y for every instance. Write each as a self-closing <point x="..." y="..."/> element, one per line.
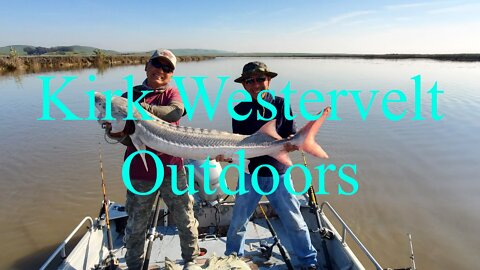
<point x="247" y="26"/>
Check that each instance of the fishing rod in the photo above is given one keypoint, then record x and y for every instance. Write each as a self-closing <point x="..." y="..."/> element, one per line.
<point x="312" y="202"/>
<point x="412" y="257"/>
<point x="323" y="231"/>
<point x="268" y="250"/>
<point x="111" y="260"/>
<point x="152" y="233"/>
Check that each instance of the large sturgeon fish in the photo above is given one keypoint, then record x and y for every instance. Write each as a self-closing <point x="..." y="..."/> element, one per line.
<point x="199" y="144"/>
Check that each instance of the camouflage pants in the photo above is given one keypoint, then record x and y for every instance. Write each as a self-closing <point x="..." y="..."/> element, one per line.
<point x="139" y="209"/>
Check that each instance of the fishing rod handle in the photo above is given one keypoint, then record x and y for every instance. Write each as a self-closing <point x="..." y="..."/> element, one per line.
<point x="285" y="256"/>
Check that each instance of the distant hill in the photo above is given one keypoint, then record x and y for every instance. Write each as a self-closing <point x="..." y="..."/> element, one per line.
<point x="18" y="48"/>
<point x="58" y="50"/>
<point x="85" y="50"/>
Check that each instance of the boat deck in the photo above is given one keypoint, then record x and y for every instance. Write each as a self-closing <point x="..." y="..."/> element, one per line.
<point x="257" y="231"/>
<point x="332" y="253"/>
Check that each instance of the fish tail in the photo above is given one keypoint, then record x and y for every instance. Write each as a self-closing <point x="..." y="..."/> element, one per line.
<point x="309" y="131"/>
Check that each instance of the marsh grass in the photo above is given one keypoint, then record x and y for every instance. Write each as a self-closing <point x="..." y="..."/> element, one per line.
<point x="32" y="64"/>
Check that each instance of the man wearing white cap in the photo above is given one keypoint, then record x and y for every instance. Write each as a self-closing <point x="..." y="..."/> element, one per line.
<point x="165" y="103"/>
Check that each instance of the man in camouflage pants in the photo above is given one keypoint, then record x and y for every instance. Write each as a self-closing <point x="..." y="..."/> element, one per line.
<point x="164" y="101"/>
<point x="139" y="209"/>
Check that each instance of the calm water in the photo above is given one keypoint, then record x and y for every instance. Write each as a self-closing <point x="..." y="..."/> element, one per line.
<point x="418" y="177"/>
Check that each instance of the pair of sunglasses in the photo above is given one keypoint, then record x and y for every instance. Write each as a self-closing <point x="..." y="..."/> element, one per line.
<point x="252" y="80"/>
<point x="165" y="67"/>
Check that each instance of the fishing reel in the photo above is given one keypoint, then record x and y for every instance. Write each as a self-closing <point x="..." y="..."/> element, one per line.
<point x="326" y="233"/>
<point x="152" y="235"/>
<point x="266" y="249"/>
<point x="110" y="263"/>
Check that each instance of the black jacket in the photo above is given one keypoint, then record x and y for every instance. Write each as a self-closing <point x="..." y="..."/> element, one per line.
<point x="251" y="125"/>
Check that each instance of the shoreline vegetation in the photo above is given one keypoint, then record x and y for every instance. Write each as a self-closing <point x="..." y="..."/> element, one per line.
<point x="40" y="63"/>
<point x="33" y="64"/>
<point x="457" y="57"/>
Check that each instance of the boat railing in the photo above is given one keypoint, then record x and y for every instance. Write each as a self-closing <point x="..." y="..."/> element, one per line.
<point x="61" y="248"/>
<point x="346" y="229"/>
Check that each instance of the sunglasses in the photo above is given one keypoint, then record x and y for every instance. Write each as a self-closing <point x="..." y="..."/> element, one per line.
<point x="252" y="80"/>
<point x="165" y="67"/>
